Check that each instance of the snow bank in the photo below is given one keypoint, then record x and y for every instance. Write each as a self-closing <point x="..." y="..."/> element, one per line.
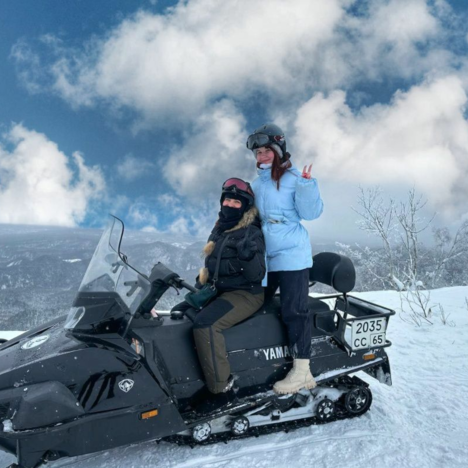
<point x="8" y="335"/>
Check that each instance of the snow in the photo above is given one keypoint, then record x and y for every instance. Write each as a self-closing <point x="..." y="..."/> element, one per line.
<point x="332" y="373"/>
<point x="73" y="260"/>
<point x="8" y="335"/>
<point x="419" y="422"/>
<point x="7" y="426"/>
<point x="180" y="245"/>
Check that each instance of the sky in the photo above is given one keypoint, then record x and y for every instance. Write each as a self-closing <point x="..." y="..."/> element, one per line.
<point x="142" y="109"/>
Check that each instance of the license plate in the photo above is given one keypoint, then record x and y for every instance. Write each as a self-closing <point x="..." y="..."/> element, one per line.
<point x="368" y="333"/>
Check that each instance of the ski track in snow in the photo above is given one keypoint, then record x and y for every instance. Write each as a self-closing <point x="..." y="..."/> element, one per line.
<point x="419" y="422"/>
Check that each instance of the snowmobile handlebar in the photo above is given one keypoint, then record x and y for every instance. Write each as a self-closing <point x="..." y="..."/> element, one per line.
<point x="180" y="283"/>
<point x="161" y="279"/>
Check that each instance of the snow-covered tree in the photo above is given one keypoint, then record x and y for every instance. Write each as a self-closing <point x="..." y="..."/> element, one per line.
<point x="403" y="262"/>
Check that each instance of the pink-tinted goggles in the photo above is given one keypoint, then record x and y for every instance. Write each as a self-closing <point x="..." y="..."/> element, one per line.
<point x="234" y="184"/>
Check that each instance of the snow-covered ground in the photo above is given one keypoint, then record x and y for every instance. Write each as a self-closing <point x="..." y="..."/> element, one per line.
<point x="8" y="335"/>
<point x="419" y="422"/>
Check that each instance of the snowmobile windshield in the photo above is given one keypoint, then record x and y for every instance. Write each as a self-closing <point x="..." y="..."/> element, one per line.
<point x="109" y="271"/>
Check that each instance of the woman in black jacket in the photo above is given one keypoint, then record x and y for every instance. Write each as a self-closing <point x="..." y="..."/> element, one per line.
<point x="238" y="238"/>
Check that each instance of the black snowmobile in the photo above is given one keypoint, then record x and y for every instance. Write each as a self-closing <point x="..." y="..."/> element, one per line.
<point x="111" y="374"/>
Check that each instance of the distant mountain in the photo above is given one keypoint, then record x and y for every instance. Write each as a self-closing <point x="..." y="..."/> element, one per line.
<point x="41" y="268"/>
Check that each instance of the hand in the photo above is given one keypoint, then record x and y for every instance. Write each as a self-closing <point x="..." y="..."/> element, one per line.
<point x="246" y="249"/>
<point x="306" y="173"/>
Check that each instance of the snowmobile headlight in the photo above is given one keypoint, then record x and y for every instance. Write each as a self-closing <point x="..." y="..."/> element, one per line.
<point x="149" y="414"/>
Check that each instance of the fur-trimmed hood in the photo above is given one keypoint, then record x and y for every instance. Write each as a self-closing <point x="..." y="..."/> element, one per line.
<point x="246" y="220"/>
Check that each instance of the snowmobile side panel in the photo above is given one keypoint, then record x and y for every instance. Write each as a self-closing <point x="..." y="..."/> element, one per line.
<point x="152" y="358"/>
<point x="94" y="371"/>
<point x="8" y="445"/>
<point x="41" y="405"/>
<point x="177" y="363"/>
<point x="85" y="435"/>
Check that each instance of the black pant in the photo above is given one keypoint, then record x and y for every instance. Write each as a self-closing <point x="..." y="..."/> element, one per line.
<point x="294" y="289"/>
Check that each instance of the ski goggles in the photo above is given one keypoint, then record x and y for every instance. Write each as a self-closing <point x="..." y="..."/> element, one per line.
<point x="258" y="140"/>
<point x="237" y="185"/>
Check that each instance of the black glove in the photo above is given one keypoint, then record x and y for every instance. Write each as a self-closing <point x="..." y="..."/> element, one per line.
<point x="246" y="249"/>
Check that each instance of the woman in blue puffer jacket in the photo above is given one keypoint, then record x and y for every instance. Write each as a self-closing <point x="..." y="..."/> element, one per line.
<point x="284" y="196"/>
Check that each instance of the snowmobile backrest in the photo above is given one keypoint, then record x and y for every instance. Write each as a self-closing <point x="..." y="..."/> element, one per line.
<point x="335" y="270"/>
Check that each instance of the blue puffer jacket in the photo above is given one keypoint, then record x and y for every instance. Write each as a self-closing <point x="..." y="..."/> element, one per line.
<point x="281" y="211"/>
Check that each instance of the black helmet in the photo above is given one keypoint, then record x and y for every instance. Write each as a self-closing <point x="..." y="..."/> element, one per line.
<point x="238" y="189"/>
<point x="269" y="135"/>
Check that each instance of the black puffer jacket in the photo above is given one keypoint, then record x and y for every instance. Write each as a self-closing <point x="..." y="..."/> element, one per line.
<point x="235" y="273"/>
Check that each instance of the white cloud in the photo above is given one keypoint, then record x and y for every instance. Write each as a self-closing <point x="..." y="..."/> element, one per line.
<point x="420" y="139"/>
<point x="180" y="226"/>
<point x="131" y="168"/>
<point x="37" y="184"/>
<point x="386" y="42"/>
<point x="169" y="200"/>
<point x="162" y="218"/>
<point x="203" y="62"/>
<point x="171" y="204"/>
<point x="173" y="66"/>
<point x="140" y="213"/>
<point x="214" y="151"/>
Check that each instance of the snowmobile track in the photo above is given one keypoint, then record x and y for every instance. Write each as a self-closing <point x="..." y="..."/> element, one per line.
<point x="258" y="431"/>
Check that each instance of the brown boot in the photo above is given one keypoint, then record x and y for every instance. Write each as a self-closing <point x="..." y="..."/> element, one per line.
<point x="299" y="377"/>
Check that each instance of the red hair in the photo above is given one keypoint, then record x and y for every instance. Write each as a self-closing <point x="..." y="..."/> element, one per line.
<point x="278" y="168"/>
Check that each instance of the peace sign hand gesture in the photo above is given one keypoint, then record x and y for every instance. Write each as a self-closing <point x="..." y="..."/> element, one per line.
<point x="306" y="173"/>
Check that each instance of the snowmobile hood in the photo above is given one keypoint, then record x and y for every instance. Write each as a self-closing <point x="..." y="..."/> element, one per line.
<point x="24" y="359"/>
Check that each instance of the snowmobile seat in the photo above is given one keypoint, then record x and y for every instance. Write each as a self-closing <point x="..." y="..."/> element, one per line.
<point x="267" y="322"/>
<point x="192" y="313"/>
<point x="248" y="326"/>
<point x="335" y="270"/>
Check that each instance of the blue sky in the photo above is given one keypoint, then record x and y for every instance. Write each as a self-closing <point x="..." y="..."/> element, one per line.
<point x="143" y="110"/>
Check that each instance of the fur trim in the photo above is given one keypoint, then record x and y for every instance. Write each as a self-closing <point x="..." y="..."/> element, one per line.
<point x="203" y="275"/>
<point x="248" y="218"/>
<point x="209" y="248"/>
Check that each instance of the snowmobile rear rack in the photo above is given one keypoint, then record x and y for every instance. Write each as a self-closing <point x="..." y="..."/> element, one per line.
<point x="359" y="324"/>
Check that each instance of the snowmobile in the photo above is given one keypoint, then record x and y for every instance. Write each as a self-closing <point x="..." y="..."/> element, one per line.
<point x="110" y="373"/>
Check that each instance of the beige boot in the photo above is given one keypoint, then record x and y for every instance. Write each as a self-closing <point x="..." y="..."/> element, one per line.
<point x="298" y="377"/>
